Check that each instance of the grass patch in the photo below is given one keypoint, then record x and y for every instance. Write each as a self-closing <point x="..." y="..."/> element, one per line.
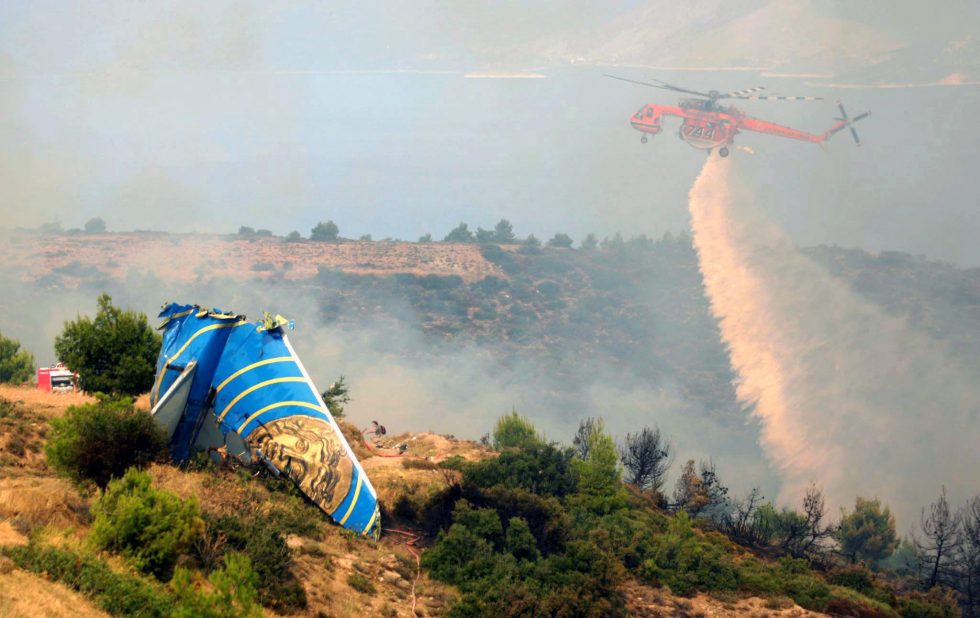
<point x="412" y="463"/>
<point x="116" y="593"/>
<point x="361" y="583"/>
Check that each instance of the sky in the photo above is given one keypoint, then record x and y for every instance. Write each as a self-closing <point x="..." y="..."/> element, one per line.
<point x="203" y="117"/>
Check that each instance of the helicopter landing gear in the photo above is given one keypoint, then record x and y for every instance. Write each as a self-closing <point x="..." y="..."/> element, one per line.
<point x="643" y="140"/>
<point x="723" y="152"/>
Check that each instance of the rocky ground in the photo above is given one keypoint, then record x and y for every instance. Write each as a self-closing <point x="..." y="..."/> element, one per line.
<point x="187" y="257"/>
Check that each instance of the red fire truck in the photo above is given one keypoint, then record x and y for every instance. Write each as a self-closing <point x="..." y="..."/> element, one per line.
<point x="57" y="379"/>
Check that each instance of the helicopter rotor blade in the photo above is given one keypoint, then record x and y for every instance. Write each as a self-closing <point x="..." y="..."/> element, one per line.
<point x="661" y="85"/>
<point x="741" y="93"/>
<point x="854" y="133"/>
<point x="843" y="114"/>
<point x="678" y="89"/>
<point x="774" y="97"/>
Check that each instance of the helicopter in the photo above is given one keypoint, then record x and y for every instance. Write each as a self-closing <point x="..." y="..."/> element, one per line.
<point x="709" y="125"/>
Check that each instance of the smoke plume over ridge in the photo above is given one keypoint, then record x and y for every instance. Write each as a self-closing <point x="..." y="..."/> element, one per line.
<point x="848" y="396"/>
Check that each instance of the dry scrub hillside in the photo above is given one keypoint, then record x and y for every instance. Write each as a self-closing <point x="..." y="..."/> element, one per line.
<point x="342" y="575"/>
<point x="188" y="257"/>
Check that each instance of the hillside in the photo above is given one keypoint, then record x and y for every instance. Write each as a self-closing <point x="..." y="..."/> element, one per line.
<point x="852" y="41"/>
<point x="633" y="310"/>
<point x="68" y="260"/>
<point x="34" y="502"/>
<point x="337" y="574"/>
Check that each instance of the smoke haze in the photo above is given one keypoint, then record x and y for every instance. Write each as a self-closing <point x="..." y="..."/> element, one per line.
<point x="849" y="397"/>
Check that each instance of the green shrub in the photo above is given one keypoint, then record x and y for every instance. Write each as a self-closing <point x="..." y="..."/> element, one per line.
<point x="808" y="590"/>
<point x="114" y="353"/>
<point x="514" y="431"/>
<point x="414" y="463"/>
<point x="437" y="513"/>
<point x="632" y="533"/>
<point x="856" y="578"/>
<point x="8" y="409"/>
<point x="687" y="562"/>
<point x="118" y="594"/>
<point x="231" y="595"/>
<point x="933" y="604"/>
<point x="868" y="532"/>
<point x="460" y="556"/>
<point x="547" y="519"/>
<point x="519" y="542"/>
<point x="99" y="441"/>
<point x="325" y="231"/>
<point x="538" y="468"/>
<point x="295" y="514"/>
<point x="149" y="526"/>
<point x="849" y="602"/>
<point x="484" y="523"/>
<point x="598" y="474"/>
<point x="361" y="583"/>
<point x="260" y="540"/>
<point x="16" y="365"/>
<point x="788" y="577"/>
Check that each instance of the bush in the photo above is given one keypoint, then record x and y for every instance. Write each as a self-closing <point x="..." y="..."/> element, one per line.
<point x="460" y="233"/>
<point x="361" y="583"/>
<point x="336" y="397"/>
<point x="118" y="594"/>
<point x="514" y="431"/>
<point x="460" y="556"/>
<point x="16" y="365"/>
<point x="792" y="577"/>
<point x="599" y="473"/>
<point x="484" y="523"/>
<point x="95" y="225"/>
<point x="934" y="604"/>
<point x="868" y="532"/>
<point x="856" y="578"/>
<point x="563" y="241"/>
<point x="325" y="231"/>
<point x="259" y="539"/>
<point x="546" y="518"/>
<point x="149" y="526"/>
<point x="687" y="562"/>
<point x="99" y="441"/>
<point x="114" y="353"/>
<point x="231" y="595"/>
<point x="846" y="602"/>
<point x="538" y="468"/>
<point x="519" y="542"/>
<point x="632" y="533"/>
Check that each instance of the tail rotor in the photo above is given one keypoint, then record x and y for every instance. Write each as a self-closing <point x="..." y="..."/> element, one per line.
<point x="845" y="121"/>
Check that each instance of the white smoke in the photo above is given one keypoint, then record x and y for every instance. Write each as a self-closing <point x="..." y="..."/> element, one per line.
<point x="848" y="396"/>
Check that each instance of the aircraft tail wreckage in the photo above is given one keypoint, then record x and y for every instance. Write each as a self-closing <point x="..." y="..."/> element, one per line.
<point x="224" y="382"/>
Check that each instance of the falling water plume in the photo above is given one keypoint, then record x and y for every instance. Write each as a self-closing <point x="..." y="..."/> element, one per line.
<point x="847" y="395"/>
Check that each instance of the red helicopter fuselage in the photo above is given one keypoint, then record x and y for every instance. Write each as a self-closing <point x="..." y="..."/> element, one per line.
<point x="707" y="125"/>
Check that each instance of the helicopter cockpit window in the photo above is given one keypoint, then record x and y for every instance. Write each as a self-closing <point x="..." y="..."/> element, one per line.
<point x="649" y="113"/>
